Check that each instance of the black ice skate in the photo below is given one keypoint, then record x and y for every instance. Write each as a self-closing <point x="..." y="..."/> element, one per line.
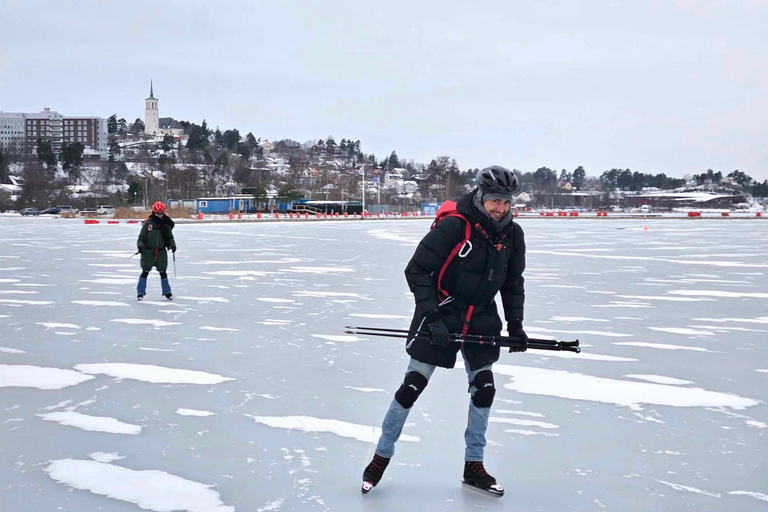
<point x="373" y="473"/>
<point x="169" y="296"/>
<point x="477" y="478"/>
<point x="139" y="297"/>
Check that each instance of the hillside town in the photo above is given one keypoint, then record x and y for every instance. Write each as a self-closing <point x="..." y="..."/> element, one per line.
<point x="84" y="161"/>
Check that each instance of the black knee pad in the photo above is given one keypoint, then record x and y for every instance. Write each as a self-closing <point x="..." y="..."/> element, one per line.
<point x="484" y="389"/>
<point x="145" y="273"/>
<point x="412" y="386"/>
<point x="163" y="275"/>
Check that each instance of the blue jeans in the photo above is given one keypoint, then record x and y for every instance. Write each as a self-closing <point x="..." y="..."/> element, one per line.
<point x="477" y="420"/>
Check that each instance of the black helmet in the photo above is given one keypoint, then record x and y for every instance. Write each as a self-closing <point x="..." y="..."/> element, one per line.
<point x="496" y="182"/>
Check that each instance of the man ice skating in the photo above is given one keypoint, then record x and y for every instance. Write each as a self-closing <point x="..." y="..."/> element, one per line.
<point x="155" y="237"/>
<point x="473" y="251"/>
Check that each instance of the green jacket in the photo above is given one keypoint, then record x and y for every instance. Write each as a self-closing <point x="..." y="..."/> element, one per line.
<point x="155" y="237"/>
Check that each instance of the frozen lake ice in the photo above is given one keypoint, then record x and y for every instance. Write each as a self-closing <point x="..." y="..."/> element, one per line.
<point x="245" y="394"/>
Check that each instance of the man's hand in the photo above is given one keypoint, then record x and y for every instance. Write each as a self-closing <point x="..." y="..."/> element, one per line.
<point x="515" y="330"/>
<point x="440" y="334"/>
<point x="173" y="249"/>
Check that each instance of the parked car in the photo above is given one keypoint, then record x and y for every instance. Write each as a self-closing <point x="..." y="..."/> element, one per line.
<point x="30" y="211"/>
<point x="65" y="208"/>
<point x="105" y="209"/>
<point x="89" y="211"/>
<point x="51" y="211"/>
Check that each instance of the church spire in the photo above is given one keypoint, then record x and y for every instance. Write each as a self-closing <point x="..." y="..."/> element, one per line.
<point x="151" y="93"/>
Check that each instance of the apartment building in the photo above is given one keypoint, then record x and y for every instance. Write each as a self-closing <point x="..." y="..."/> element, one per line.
<point x="20" y="131"/>
<point x="12" y="132"/>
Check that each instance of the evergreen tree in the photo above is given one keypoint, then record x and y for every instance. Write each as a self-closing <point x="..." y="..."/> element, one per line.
<point x="393" y="161"/>
<point x="112" y="124"/>
<point x="114" y="150"/>
<point x="72" y="159"/>
<point x="45" y="153"/>
<point x="137" y="127"/>
<point x="167" y="142"/>
<point x="230" y="139"/>
<point x="198" y="139"/>
<point x="579" y="178"/>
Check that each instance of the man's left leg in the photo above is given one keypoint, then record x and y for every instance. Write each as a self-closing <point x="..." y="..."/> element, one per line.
<point x="482" y="391"/>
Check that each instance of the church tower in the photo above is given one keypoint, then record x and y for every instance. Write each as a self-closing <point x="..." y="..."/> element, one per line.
<point x="151" y="113"/>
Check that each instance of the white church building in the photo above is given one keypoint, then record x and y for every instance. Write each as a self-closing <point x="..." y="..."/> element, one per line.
<point x="153" y="123"/>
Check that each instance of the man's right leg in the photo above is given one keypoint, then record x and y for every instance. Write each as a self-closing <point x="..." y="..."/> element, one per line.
<point x="416" y="378"/>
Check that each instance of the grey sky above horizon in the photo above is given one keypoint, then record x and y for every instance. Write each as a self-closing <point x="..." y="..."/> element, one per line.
<point x="658" y="86"/>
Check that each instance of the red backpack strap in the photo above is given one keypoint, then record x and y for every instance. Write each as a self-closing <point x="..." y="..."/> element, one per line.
<point x="448" y="209"/>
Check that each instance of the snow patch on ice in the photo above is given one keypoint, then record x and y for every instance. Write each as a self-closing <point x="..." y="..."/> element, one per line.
<point x="669" y="299"/>
<point x="54" y="325"/>
<point x="586" y="356"/>
<point x="593" y="333"/>
<point x="336" y="337"/>
<point x="677" y="330"/>
<point x="366" y="390"/>
<point x="209" y="328"/>
<point x="194" y="412"/>
<point x="105" y="457"/>
<point x="522" y="423"/>
<point x="659" y="379"/>
<point x="92" y="423"/>
<point x="26" y="302"/>
<point x="328" y="294"/>
<point x="577" y="386"/>
<point x="380" y="316"/>
<point x="663" y="346"/>
<point x="717" y="293"/>
<point x="757" y="320"/>
<point x="152" y="373"/>
<point x="756" y="495"/>
<point x="8" y="350"/>
<point x="274" y="299"/>
<point x="107" y="280"/>
<point x="144" y="321"/>
<point x="100" y="303"/>
<point x="364" y="433"/>
<point x="530" y="432"/>
<point x="686" y="488"/>
<point x="149" y="489"/>
<point x="24" y="376"/>
<point x="319" y="270"/>
<point x="204" y="299"/>
<point x="577" y="319"/>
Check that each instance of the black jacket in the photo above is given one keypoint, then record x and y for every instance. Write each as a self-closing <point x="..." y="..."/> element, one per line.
<point x="495" y="264"/>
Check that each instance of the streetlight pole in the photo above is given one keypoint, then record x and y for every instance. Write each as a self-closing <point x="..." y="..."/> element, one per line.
<point x="363" y="188"/>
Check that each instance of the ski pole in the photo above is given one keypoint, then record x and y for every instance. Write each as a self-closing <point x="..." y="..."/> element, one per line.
<point x="174" y="264"/>
<point x="502" y="341"/>
<point x="134" y="254"/>
<point x="470" y="337"/>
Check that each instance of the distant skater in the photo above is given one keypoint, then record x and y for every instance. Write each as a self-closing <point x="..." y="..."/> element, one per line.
<point x="155" y="238"/>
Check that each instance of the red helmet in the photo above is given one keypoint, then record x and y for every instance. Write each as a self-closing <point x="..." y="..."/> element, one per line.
<point x="158" y="207"/>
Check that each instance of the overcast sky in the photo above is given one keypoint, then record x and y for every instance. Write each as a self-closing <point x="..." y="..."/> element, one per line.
<point x="654" y="86"/>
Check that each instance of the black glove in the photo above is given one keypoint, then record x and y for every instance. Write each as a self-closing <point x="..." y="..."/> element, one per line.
<point x="140" y="247"/>
<point x="515" y="330"/>
<point x="440" y="334"/>
<point x="173" y="249"/>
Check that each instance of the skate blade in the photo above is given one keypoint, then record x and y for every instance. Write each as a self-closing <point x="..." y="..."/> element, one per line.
<point x="495" y="490"/>
<point x="367" y="486"/>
